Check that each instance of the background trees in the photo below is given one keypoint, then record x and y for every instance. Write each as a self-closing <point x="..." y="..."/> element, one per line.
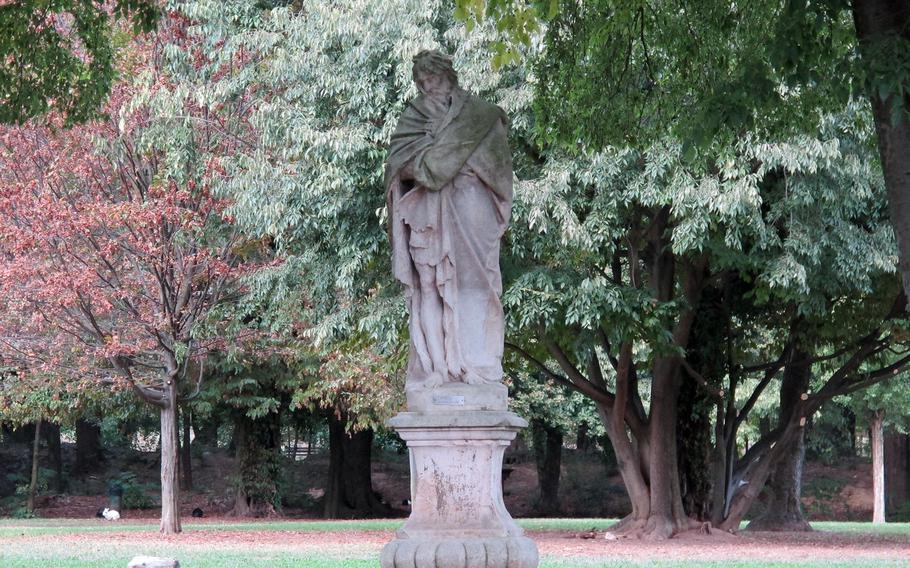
<point x="684" y="257"/>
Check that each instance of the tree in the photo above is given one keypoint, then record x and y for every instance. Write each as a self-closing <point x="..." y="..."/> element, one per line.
<point x="617" y="256"/>
<point x="884" y="405"/>
<point x="359" y="394"/>
<point x="554" y="412"/>
<point x="610" y="251"/>
<point x="60" y="55"/>
<point x="883" y="34"/>
<point x="115" y="250"/>
<point x="630" y="73"/>
<point x="876" y="435"/>
<point x="258" y="393"/>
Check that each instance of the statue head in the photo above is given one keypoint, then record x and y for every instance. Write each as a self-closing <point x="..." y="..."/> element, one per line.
<point x="433" y="73"/>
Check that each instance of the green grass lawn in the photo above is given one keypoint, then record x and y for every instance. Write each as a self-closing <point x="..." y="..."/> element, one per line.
<point x="18" y="548"/>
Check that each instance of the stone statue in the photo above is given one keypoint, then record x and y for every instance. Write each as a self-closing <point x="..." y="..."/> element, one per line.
<point x="449" y="183"/>
<point x="449" y="187"/>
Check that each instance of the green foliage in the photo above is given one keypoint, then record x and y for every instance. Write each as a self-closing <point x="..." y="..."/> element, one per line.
<point x="900" y="514"/>
<point x="824" y="488"/>
<point x="557" y="406"/>
<point x="309" y="182"/>
<point x="60" y="54"/>
<point x="630" y="73"/>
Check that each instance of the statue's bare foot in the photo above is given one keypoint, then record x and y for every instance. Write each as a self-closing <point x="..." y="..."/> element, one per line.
<point x="472" y="378"/>
<point x="433" y="380"/>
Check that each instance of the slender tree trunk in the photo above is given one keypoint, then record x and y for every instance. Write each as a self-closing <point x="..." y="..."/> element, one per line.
<point x="296" y="443"/>
<point x="170" y="483"/>
<point x="897" y="470"/>
<point x="629" y="465"/>
<point x="547" y="442"/>
<point x="349" y="488"/>
<point x="186" y="456"/>
<point x="240" y="442"/>
<point x="878" y="21"/>
<point x="783" y="510"/>
<point x="33" y="484"/>
<point x="55" y="450"/>
<point x="878" y="467"/>
<point x="88" y="446"/>
<point x="721" y="468"/>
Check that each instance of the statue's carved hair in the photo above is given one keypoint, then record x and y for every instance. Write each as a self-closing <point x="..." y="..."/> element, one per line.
<point x="432" y="62"/>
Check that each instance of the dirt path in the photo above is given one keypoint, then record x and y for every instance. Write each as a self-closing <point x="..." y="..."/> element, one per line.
<point x="788" y="547"/>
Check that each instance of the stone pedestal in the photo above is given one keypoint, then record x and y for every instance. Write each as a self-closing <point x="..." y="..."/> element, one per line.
<point x="458" y="519"/>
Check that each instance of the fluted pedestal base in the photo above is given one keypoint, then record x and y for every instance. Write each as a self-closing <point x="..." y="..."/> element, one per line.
<point x="458" y="519"/>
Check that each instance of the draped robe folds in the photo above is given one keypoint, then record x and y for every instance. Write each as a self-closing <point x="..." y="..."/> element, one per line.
<point x="451" y="217"/>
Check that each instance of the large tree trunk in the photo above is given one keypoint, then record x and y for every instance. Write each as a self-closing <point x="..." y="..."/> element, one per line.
<point x="628" y="461"/>
<point x="667" y="515"/>
<point x="33" y="484"/>
<point x="349" y="488"/>
<point x="879" y="21"/>
<point x="186" y="456"/>
<point x="547" y="442"/>
<point x="170" y="483"/>
<point x="703" y="464"/>
<point x="783" y="508"/>
<point x="897" y="470"/>
<point x="257" y="444"/>
<point x="88" y="446"/>
<point x="650" y="468"/>
<point x="878" y="467"/>
<point x="55" y="451"/>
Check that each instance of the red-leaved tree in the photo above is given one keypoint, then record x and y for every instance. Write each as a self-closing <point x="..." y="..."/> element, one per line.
<point x="113" y="251"/>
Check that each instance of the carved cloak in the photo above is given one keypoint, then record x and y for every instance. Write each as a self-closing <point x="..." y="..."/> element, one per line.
<point x="452" y="219"/>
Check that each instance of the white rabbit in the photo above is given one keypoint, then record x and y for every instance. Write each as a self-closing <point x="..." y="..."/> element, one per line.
<point x="110" y="515"/>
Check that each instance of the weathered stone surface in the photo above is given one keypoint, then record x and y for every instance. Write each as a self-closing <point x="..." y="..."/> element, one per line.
<point x="456" y="397"/>
<point x="450" y="425"/>
<point x="458" y="518"/>
<point x="153" y="562"/>
<point x="449" y="187"/>
<point x="449" y="183"/>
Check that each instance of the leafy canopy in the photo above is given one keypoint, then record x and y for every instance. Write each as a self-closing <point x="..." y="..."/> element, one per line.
<point x="60" y="54"/>
<point x="629" y="72"/>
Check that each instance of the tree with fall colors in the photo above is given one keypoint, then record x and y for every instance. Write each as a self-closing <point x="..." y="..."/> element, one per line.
<point x="114" y="251"/>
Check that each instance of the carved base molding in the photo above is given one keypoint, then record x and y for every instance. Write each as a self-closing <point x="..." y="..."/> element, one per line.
<point x="513" y="552"/>
<point x="458" y="518"/>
